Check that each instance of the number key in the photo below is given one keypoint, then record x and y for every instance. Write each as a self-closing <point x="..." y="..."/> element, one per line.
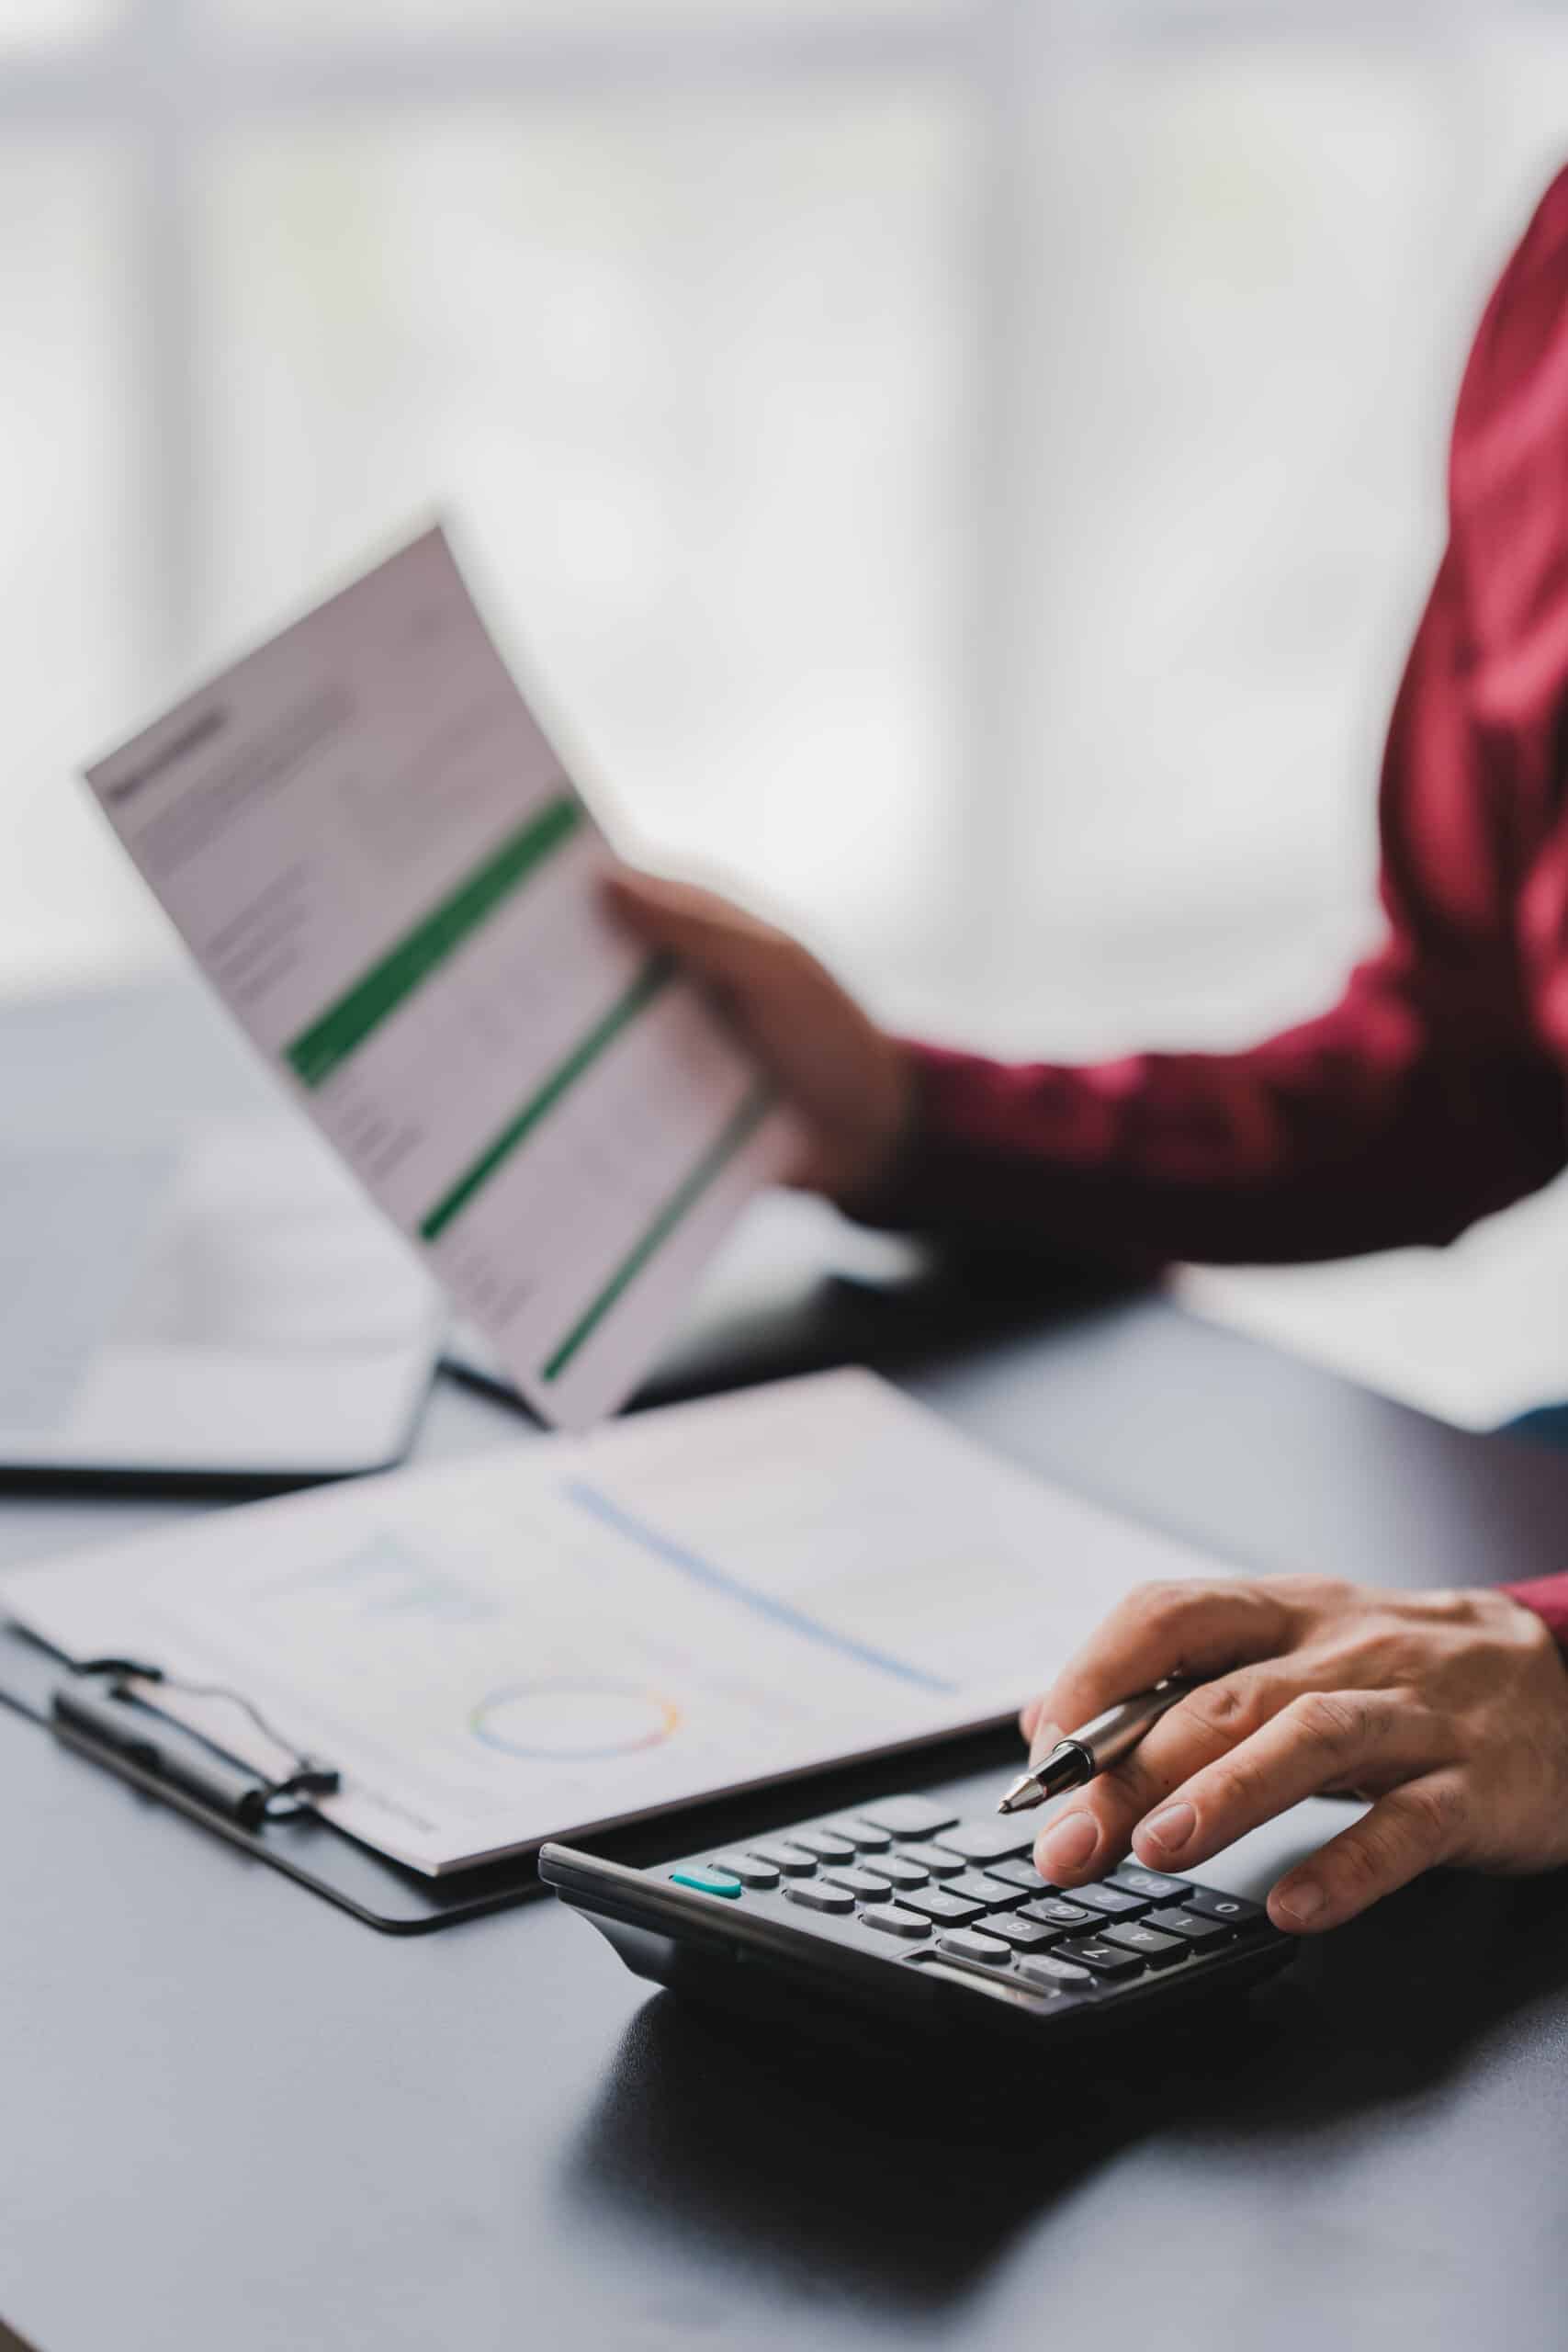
<point x="1057" y="1911"/>
<point x="1057" y="1975"/>
<point x="937" y="1903"/>
<point x="975" y="1946"/>
<point x="898" y="1871"/>
<point x="987" y="1841"/>
<point x="976" y="1886"/>
<point x="895" y="1921"/>
<point x="1022" y="1934"/>
<point x="1192" y="1926"/>
<point x="1147" y="1943"/>
<point x="1105" y="1959"/>
<point x="820" y="1898"/>
<point x="908" y="1816"/>
<point x="1132" y="1879"/>
<point x="936" y="1859"/>
<point x="865" y="1836"/>
<point x="1019" y="1874"/>
<point x="823" y="1843"/>
<point x="787" y="1859"/>
<point x="762" y="1877"/>
<point x="1211" y="1904"/>
<point x="861" y="1884"/>
<point x="1111" y="1902"/>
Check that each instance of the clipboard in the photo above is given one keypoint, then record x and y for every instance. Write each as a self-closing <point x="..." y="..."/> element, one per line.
<point x="398" y="1902"/>
<point x="301" y="1844"/>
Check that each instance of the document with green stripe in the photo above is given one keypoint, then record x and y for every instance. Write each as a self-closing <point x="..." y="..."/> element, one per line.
<point x="384" y="869"/>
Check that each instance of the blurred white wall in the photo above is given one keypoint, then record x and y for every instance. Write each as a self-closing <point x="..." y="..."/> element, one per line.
<point x="965" y="468"/>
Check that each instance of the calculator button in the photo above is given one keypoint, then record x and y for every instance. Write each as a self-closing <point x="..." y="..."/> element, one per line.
<point x="975" y="1887"/>
<point x="1147" y="1943"/>
<point x="820" y="1898"/>
<point x="1209" y="1904"/>
<point x="865" y="1836"/>
<point x="973" y="1946"/>
<point x="707" y="1882"/>
<point x="934" y="1859"/>
<point x="1020" y="1874"/>
<point x="1055" y="1911"/>
<point x="1056" y="1976"/>
<point x="987" y="1841"/>
<point x="908" y="1816"/>
<point x="1110" y="1901"/>
<point x="860" y="1883"/>
<point x="1022" y="1934"/>
<point x="900" y="1871"/>
<point x="1192" y="1926"/>
<point x="895" y="1922"/>
<point x="1134" y="1879"/>
<point x="937" y="1903"/>
<point x="787" y="1859"/>
<point x="823" y="1843"/>
<point x="759" y="1876"/>
<point x="1105" y="1959"/>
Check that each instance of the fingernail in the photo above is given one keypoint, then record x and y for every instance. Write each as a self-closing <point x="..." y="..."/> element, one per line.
<point x="1068" y="1845"/>
<point x="1299" y="1903"/>
<point x="1170" y="1829"/>
<point x="1042" y="1739"/>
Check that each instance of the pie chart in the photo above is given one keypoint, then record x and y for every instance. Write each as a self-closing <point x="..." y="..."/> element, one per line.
<point x="569" y="1721"/>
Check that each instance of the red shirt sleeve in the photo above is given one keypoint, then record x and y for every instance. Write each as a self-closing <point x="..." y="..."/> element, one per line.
<point x="1427" y="1096"/>
<point x="1548" y="1596"/>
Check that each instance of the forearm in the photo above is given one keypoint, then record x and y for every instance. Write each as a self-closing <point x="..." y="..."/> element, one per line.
<point x="1351" y="1133"/>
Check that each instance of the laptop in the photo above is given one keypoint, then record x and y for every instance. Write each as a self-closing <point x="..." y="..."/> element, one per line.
<point x="228" y="1308"/>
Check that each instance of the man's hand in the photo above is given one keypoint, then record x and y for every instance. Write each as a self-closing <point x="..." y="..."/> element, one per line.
<point x="1449" y="1708"/>
<point x="848" y="1081"/>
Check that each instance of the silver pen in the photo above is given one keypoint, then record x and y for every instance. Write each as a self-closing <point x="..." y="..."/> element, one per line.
<point x="1092" y="1749"/>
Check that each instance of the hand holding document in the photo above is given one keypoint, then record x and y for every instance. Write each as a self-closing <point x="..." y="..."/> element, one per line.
<point x="554" y="1637"/>
<point x="376" y="859"/>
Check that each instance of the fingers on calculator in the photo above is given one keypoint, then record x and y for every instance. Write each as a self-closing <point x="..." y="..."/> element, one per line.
<point x="913" y="1879"/>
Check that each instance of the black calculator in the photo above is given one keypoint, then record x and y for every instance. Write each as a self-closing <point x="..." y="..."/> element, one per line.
<point x="906" y="1906"/>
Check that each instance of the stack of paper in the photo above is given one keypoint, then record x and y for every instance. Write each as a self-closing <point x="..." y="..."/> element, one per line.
<point x="566" y="1632"/>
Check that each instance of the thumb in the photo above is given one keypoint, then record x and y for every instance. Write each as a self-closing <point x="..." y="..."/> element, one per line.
<point x="718" y="940"/>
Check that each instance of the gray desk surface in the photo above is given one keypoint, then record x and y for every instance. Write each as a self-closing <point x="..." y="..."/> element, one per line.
<point x="231" y="2117"/>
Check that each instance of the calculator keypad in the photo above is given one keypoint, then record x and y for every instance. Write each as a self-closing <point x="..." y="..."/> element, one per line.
<point x="908" y="1876"/>
<point x="898" y="1871"/>
<point x="936" y="1859"/>
<point x="1063" y="1912"/>
<point x="824" y="1844"/>
<point x="794" y="1861"/>
<point x="973" y="1944"/>
<point x="908" y="1816"/>
<point x="861" y="1884"/>
<point x="974" y="1886"/>
<point x="935" y="1902"/>
<point x="820" y="1898"/>
<point x="865" y="1836"/>
<point x="1113" y="1902"/>
<point x="897" y="1922"/>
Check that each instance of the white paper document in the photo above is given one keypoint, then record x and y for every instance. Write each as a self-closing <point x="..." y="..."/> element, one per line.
<point x="571" y="1631"/>
<point x="379" y="861"/>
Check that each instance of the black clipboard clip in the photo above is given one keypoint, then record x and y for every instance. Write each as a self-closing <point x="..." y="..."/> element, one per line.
<point x="97" y="1706"/>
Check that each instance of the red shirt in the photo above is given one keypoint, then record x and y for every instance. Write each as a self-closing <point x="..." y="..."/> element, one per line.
<point x="1436" y="1090"/>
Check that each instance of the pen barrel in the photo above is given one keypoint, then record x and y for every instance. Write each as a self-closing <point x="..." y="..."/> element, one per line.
<point x="1113" y="1735"/>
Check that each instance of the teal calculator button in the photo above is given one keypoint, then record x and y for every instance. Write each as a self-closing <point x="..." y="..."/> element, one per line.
<point x="707" y="1882"/>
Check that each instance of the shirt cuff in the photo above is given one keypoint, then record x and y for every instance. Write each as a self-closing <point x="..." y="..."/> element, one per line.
<point x="1548" y="1596"/>
<point x="999" y="1156"/>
